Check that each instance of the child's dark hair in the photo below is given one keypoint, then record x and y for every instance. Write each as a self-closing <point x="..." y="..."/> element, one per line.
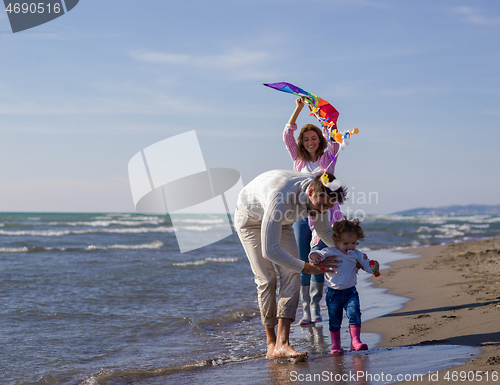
<point x="347" y="226"/>
<point x="339" y="195"/>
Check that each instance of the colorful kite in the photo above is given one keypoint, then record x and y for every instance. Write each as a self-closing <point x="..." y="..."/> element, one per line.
<point x="320" y="108"/>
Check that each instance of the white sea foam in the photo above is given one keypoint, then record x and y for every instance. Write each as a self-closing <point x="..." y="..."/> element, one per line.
<point x="23" y="249"/>
<point x="391" y="217"/>
<point x="492" y="220"/>
<point x="432" y="218"/>
<point x="471" y="219"/>
<point x="113" y="215"/>
<point x="422" y="229"/>
<point x="449" y="232"/>
<point x="198" y="228"/>
<point x="475" y="219"/>
<point x="211" y="220"/>
<point x="480" y="226"/>
<point x="144" y="218"/>
<point x="54" y="233"/>
<point x="439" y="228"/>
<point x="42" y="233"/>
<point x="160" y="229"/>
<point x="206" y="260"/>
<point x="151" y="245"/>
<point x="108" y="222"/>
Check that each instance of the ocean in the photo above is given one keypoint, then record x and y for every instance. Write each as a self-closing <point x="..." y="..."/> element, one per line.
<point x="94" y="299"/>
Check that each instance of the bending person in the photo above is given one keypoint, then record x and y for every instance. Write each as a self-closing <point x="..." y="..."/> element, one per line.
<point x="312" y="154"/>
<point x="267" y="207"/>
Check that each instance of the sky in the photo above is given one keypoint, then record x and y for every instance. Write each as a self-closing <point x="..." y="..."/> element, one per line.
<point x="84" y="93"/>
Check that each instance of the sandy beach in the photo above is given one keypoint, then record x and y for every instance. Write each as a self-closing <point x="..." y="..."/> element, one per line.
<point x="455" y="299"/>
<point x="451" y="321"/>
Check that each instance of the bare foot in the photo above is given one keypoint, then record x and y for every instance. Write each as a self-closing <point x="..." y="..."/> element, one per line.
<point x="270" y="351"/>
<point x="287" y="351"/>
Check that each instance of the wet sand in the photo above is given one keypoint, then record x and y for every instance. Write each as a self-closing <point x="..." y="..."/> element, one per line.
<point x="448" y="326"/>
<point x="450" y="317"/>
<point x="455" y="300"/>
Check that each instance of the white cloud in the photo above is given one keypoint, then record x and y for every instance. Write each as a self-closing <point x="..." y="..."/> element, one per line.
<point x="415" y="90"/>
<point x="237" y="63"/>
<point x="160" y="57"/>
<point x="370" y="53"/>
<point x="234" y="60"/>
<point x="117" y="101"/>
<point x="492" y="112"/>
<point x="473" y="16"/>
<point x="83" y="106"/>
<point x="229" y="60"/>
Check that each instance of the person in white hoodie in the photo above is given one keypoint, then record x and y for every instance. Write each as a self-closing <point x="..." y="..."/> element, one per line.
<point x="341" y="290"/>
<point x="266" y="209"/>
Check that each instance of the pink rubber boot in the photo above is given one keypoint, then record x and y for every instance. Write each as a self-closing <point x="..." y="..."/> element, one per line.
<point x="356" y="344"/>
<point x="336" y="348"/>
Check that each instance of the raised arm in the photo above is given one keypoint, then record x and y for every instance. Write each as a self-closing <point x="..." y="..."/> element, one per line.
<point x="299" y="105"/>
<point x="289" y="139"/>
<point x="290" y="143"/>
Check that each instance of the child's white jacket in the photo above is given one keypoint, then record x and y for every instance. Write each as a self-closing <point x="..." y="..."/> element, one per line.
<point x="345" y="275"/>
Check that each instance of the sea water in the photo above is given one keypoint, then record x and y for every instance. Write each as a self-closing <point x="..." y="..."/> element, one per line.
<point x="94" y="299"/>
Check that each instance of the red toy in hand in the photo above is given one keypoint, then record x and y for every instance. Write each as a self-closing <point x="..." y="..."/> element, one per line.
<point x="375" y="271"/>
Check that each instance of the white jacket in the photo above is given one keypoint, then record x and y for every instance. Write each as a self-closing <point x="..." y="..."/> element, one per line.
<point x="276" y="198"/>
<point x="345" y="275"/>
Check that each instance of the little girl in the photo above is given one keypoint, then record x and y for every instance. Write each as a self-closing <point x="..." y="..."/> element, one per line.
<point x="341" y="285"/>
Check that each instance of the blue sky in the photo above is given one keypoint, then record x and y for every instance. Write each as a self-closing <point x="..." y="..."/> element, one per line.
<point x="79" y="96"/>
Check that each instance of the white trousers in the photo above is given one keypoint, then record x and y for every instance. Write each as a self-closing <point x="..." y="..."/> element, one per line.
<point x="264" y="270"/>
